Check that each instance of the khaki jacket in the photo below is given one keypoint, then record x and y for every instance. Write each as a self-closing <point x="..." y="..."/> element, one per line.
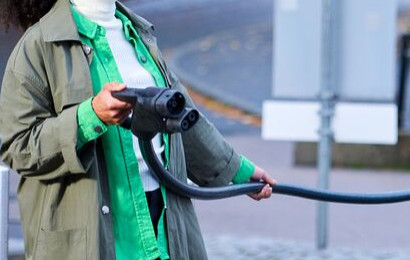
<point x="62" y="191"/>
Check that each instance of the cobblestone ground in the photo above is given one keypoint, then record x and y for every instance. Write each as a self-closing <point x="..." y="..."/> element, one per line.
<point x="224" y="247"/>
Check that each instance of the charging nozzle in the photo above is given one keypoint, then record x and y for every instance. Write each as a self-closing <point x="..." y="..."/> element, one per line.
<point x="187" y="120"/>
<point x="157" y="110"/>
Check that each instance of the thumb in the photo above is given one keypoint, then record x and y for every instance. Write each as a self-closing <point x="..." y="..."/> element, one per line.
<point x="261" y="175"/>
<point x="267" y="179"/>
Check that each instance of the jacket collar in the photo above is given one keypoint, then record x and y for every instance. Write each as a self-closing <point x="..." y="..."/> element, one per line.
<point x="137" y="21"/>
<point x="58" y="24"/>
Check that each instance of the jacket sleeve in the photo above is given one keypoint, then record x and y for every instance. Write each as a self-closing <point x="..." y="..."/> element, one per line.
<point x="210" y="160"/>
<point x="37" y="142"/>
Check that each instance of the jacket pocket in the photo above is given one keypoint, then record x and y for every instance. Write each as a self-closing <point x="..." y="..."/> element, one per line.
<point x="62" y="245"/>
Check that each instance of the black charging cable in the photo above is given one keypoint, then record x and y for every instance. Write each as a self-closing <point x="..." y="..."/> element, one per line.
<point x="185" y="190"/>
<point x="163" y="110"/>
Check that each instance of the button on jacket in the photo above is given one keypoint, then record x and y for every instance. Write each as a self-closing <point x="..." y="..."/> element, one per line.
<point x="64" y="194"/>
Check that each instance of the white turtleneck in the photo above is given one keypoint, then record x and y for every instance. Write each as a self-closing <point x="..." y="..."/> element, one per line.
<point x="96" y="10"/>
<point x="132" y="73"/>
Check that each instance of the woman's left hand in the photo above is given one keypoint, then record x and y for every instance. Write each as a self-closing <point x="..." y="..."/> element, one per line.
<point x="261" y="175"/>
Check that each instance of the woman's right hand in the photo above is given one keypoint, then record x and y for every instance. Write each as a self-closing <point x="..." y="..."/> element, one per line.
<point x="110" y="110"/>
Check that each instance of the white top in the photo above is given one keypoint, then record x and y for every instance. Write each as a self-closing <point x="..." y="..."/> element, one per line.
<point x="132" y="73"/>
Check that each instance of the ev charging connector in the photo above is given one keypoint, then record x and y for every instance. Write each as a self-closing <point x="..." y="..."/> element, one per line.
<point x="157" y="110"/>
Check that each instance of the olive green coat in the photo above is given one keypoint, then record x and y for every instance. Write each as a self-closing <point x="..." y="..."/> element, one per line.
<point x="62" y="191"/>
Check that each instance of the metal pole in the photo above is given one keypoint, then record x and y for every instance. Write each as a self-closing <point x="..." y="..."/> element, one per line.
<point x="324" y="153"/>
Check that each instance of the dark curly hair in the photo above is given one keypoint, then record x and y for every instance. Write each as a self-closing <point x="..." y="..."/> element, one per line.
<point x="23" y="13"/>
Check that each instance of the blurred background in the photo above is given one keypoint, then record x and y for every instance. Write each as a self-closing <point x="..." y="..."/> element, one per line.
<point x="240" y="59"/>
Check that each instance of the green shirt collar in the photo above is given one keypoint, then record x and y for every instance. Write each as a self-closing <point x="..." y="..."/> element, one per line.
<point x="85" y="26"/>
<point x="89" y="28"/>
<point x="127" y="25"/>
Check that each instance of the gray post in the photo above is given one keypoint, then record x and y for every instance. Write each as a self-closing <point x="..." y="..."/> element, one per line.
<point x="4" y="210"/>
<point x="326" y="114"/>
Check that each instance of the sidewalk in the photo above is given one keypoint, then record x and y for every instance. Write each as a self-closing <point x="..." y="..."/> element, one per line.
<point x="222" y="248"/>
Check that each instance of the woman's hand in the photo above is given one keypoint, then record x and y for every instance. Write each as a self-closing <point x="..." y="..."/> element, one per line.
<point x="261" y="175"/>
<point x="110" y="110"/>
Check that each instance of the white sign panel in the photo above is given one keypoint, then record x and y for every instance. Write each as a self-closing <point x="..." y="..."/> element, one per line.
<point x="366" y="123"/>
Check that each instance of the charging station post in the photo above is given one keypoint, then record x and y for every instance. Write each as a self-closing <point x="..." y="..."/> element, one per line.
<point x="326" y="112"/>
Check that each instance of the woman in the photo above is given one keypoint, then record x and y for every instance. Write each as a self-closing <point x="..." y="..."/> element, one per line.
<point x="85" y="191"/>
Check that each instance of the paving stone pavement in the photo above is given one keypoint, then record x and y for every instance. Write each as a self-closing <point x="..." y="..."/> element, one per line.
<point x="226" y="247"/>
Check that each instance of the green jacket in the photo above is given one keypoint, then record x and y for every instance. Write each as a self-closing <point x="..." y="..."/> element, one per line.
<point x="63" y="194"/>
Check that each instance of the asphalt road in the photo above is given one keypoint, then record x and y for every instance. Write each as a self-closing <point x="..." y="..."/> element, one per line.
<point x="180" y="21"/>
